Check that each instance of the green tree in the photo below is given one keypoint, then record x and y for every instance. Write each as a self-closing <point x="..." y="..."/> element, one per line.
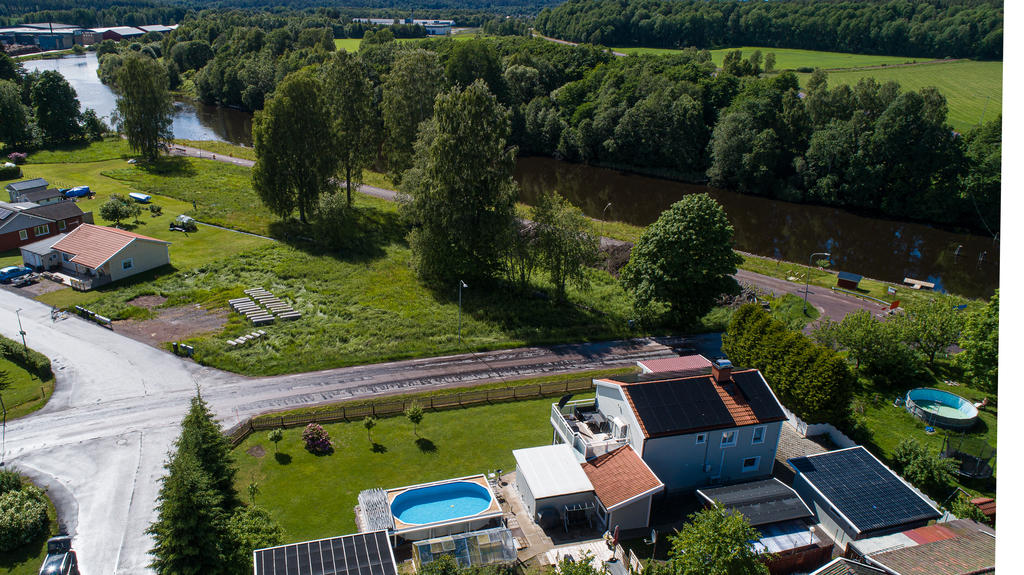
<point x="408" y="100"/>
<point x="461" y="192"/>
<point x="92" y="125"/>
<point x="925" y="469"/>
<point x="144" y="104"/>
<point x="349" y="96"/>
<point x="201" y="436"/>
<point x="684" y="259"/>
<point x="962" y="507"/>
<point x="15" y="122"/>
<point x="56" y="108"/>
<point x="566" y="241"/>
<point x="250" y="528"/>
<point x="933" y="325"/>
<point x="980" y="343"/>
<point x="443" y="565"/>
<point x="369" y="422"/>
<point x="414" y="414"/>
<point x="293" y="142"/>
<point x="9" y="69"/>
<point x="715" y="542"/>
<point x="769" y="62"/>
<point x="275" y="435"/>
<point x="473" y="60"/>
<point x="188" y="534"/>
<point x="116" y="208"/>
<point x="877" y="347"/>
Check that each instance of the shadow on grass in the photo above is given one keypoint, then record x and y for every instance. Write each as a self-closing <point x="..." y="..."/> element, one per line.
<point x="425" y="445"/>
<point x="169" y="166"/>
<point x="24" y="553"/>
<point x="360" y="235"/>
<point x="378" y="448"/>
<point x="282" y="458"/>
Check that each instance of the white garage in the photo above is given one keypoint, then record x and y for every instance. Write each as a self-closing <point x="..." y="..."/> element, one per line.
<point x="550" y="480"/>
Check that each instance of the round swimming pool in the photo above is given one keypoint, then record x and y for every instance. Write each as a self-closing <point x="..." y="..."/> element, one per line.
<point x="941" y="408"/>
<point x="443" y="502"/>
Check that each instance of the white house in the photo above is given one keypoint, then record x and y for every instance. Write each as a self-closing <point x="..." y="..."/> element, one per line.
<point x="101" y="255"/>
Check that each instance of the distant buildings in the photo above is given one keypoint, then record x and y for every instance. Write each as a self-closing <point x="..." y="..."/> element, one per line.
<point x="433" y="27"/>
<point x="55" y="36"/>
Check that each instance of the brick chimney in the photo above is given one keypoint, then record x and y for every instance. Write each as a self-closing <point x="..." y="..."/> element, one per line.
<point x="721" y="370"/>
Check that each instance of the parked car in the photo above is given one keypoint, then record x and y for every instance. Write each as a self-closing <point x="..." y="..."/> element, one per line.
<point x="60" y="557"/>
<point x="10" y="272"/>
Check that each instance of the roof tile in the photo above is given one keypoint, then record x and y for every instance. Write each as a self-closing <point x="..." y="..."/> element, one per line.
<point x="620" y="476"/>
<point x="93" y="245"/>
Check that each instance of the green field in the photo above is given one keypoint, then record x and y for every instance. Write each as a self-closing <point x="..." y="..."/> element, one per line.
<point x="352" y="44"/>
<point x="971" y="88"/>
<point x="26" y="392"/>
<point x="791" y="59"/>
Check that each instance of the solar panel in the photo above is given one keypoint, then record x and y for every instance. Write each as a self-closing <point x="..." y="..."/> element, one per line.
<point x="759" y="397"/>
<point x="4" y="212"/>
<point x="359" y="554"/>
<point x="671" y="406"/>
<point x="865" y="491"/>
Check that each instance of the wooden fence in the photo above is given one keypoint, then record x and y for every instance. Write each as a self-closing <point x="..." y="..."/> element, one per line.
<point x="398" y="406"/>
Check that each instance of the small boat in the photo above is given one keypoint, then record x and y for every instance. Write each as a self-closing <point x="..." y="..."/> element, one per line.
<point x="139" y="197"/>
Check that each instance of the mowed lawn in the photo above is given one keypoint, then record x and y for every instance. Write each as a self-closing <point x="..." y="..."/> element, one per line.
<point x="313" y="497"/>
<point x="26" y="392"/>
<point x="971" y="88"/>
<point x="790" y="59"/>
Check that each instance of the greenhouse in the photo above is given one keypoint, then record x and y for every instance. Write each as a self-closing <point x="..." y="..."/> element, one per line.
<point x="469" y="549"/>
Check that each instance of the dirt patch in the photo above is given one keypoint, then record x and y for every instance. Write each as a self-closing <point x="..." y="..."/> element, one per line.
<point x="172" y="324"/>
<point x="148" y="301"/>
<point x="37" y="289"/>
<point x="256" y="451"/>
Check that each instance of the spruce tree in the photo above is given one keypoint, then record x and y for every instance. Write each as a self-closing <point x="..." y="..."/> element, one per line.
<point x="202" y="437"/>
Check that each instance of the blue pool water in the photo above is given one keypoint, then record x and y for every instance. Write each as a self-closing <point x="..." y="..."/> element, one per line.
<point x="440" y="502"/>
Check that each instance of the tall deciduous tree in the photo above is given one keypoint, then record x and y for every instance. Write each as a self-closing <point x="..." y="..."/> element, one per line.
<point x="9" y="69"/>
<point x="461" y="192"/>
<point x="15" y="123"/>
<point x="143" y="104"/>
<point x="349" y="95"/>
<point x="566" y="240"/>
<point x="934" y="325"/>
<point x="684" y="259"/>
<point x="980" y="342"/>
<point x="56" y="107"/>
<point x="715" y="542"/>
<point x="473" y="60"/>
<point x="294" y="147"/>
<point x="408" y="100"/>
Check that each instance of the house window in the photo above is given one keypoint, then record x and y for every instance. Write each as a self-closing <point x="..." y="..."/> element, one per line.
<point x="41" y="230"/>
<point x="702" y="438"/>
<point x="23" y="234"/>
<point x="127" y="264"/>
<point x="61" y="225"/>
<point x="728" y="438"/>
<point x="758" y="435"/>
<point x="66" y="256"/>
<point x="751" y="464"/>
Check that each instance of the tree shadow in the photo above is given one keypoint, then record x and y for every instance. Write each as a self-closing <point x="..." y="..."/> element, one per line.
<point x="425" y="445"/>
<point x="282" y="458"/>
<point x="360" y="235"/>
<point x="169" y="166"/>
<point x="378" y="448"/>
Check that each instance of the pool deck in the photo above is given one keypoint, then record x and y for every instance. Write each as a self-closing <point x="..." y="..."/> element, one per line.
<point x="494" y="509"/>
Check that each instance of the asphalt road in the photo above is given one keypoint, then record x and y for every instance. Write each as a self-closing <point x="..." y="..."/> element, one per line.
<point x="100" y="444"/>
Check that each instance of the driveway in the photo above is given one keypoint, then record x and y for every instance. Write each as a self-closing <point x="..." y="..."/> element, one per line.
<point x="100" y="444"/>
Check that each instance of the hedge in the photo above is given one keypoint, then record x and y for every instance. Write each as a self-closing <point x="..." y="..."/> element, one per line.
<point x="22" y="517"/>
<point x="9" y="172"/>
<point x="29" y="359"/>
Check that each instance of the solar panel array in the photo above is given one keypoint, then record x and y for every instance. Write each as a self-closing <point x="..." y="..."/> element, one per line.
<point x="761" y="502"/>
<point x="671" y="406"/>
<point x="865" y="491"/>
<point x="4" y="212"/>
<point x="359" y="554"/>
<point x="760" y="398"/>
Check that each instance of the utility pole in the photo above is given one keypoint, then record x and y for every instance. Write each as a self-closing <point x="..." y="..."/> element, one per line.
<point x="21" y="330"/>
<point x="462" y="284"/>
<point x="807" y="278"/>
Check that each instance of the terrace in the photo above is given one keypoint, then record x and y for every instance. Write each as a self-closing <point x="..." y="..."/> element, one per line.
<point x="580" y="424"/>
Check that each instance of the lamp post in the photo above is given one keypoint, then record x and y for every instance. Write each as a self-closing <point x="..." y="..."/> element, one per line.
<point x="21" y="330"/>
<point x="462" y="284"/>
<point x="603" y="220"/>
<point x="807" y="278"/>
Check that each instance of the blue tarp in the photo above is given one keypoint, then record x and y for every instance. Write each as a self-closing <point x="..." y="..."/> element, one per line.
<point x="78" y="192"/>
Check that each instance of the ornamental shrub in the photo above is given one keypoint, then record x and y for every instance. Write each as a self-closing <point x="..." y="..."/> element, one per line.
<point x="10" y="480"/>
<point x="22" y="517"/>
<point x="17" y="157"/>
<point x="9" y="172"/>
<point x="317" y="441"/>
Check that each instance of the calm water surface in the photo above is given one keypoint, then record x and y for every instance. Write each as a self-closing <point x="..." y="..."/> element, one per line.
<point x="873" y="247"/>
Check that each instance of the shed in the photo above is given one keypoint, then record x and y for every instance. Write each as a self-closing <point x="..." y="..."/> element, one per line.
<point x="848" y="280"/>
<point x="550" y="476"/>
<point x="40" y="255"/>
<point x="15" y="189"/>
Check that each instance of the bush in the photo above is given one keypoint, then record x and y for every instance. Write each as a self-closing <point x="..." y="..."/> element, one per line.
<point x="928" y="471"/>
<point x="30" y="360"/>
<point x="9" y="172"/>
<point x="22" y="517"/>
<point x="155" y="210"/>
<point x="317" y="440"/>
<point x="17" y="157"/>
<point x="10" y="480"/>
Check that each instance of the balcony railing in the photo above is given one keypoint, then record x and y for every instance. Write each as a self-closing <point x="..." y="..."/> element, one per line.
<point x="576" y="423"/>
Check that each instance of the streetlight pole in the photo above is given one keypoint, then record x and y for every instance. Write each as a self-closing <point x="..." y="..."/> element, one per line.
<point x="462" y="284"/>
<point x="807" y="278"/>
<point x="21" y="330"/>
<point x="603" y="220"/>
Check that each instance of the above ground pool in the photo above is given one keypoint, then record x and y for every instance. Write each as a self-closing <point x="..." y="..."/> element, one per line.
<point x="422" y="505"/>
<point x="941" y="408"/>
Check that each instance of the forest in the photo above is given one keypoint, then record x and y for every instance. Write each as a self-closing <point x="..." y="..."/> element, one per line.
<point x="924" y="29"/>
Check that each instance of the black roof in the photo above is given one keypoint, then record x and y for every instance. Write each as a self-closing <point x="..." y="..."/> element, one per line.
<point x="41" y="195"/>
<point x="680" y="402"/>
<point x="761" y="502"/>
<point x="359" y="554"/>
<point x="56" y="211"/>
<point x="850" y="276"/>
<point x="27" y="184"/>
<point x="863" y="490"/>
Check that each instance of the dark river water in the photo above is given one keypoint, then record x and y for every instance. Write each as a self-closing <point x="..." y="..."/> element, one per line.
<point x="877" y="248"/>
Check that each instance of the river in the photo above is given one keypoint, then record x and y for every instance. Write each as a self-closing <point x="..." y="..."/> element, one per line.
<point x="873" y="247"/>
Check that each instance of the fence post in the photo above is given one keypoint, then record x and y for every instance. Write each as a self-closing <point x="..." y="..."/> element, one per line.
<point x="282" y="420"/>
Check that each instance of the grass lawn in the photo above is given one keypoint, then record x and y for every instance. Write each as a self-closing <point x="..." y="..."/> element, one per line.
<point x="968" y="86"/>
<point x="450" y="445"/>
<point x="347" y="44"/>
<point x="27" y="559"/>
<point x="222" y="148"/>
<point x="791" y="59"/>
<point x="352" y="44"/>
<point x="107" y="149"/>
<point x="26" y="392"/>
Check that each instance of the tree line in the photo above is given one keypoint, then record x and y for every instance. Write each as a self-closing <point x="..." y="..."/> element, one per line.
<point x="926" y="28"/>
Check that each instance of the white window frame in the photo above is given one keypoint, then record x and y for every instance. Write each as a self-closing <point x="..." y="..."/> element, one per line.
<point x="702" y="438"/>
<point x="23" y="234"/>
<point x="127" y="264"/>
<point x="731" y="443"/>
<point x="764" y="430"/>
<point x="754" y="467"/>
<point x="41" y="230"/>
